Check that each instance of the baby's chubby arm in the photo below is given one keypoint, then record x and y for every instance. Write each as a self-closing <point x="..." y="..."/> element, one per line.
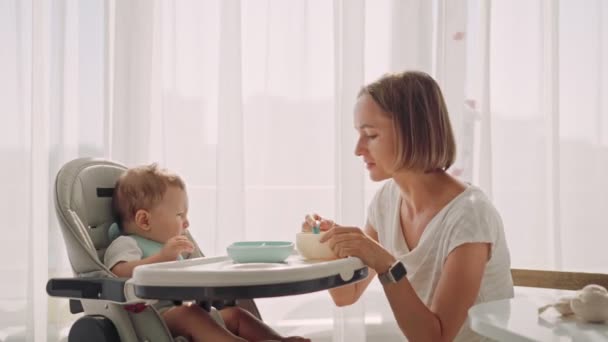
<point x="171" y="250"/>
<point x="124" y="269"/>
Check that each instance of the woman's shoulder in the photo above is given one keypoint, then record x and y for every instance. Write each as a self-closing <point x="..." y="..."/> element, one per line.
<point x="471" y="217"/>
<point x="473" y="200"/>
<point x="473" y="206"/>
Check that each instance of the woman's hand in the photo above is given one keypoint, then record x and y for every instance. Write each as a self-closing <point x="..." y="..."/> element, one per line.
<point x="314" y="220"/>
<point x="352" y="241"/>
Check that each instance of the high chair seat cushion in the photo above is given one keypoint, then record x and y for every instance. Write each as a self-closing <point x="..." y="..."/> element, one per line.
<point x="83" y="196"/>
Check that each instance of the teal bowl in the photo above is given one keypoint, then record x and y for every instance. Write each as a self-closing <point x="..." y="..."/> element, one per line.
<point x="260" y="251"/>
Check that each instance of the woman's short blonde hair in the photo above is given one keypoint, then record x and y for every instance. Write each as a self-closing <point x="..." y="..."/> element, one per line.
<point x="141" y="187"/>
<point x="425" y="141"/>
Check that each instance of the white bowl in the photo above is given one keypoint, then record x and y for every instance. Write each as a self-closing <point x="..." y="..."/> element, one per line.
<point x="307" y="243"/>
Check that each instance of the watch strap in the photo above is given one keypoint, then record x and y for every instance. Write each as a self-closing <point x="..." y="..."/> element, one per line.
<point x="394" y="274"/>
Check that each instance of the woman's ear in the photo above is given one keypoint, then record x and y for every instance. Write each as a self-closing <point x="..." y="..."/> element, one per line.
<point x="142" y="219"/>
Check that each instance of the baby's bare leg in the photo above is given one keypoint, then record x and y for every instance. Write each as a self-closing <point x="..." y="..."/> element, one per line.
<point x="193" y="322"/>
<point x="243" y="324"/>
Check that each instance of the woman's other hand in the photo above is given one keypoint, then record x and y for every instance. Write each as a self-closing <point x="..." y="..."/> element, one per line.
<point x="312" y="220"/>
<point x="352" y="241"/>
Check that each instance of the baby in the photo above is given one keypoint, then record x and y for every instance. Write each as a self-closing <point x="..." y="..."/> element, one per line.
<point x="151" y="208"/>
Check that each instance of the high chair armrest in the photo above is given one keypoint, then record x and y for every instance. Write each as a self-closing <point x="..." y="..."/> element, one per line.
<point x="111" y="289"/>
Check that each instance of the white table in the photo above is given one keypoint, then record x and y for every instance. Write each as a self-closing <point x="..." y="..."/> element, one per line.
<point x="517" y="319"/>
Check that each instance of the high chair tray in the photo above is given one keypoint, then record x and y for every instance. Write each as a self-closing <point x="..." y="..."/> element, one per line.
<point x="221" y="278"/>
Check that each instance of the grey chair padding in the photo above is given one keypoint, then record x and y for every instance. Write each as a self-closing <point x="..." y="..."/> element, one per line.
<point x="84" y="217"/>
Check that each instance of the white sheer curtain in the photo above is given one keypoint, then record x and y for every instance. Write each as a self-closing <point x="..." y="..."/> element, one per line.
<point x="251" y="102"/>
<point x="548" y="90"/>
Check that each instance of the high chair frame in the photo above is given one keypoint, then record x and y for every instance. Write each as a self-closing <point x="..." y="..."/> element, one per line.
<point x="112" y="312"/>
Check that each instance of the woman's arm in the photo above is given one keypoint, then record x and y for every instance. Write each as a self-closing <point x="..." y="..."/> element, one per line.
<point x="349" y="294"/>
<point x="456" y="292"/>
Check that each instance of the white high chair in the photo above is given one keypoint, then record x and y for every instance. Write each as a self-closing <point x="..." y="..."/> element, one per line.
<point x="83" y="194"/>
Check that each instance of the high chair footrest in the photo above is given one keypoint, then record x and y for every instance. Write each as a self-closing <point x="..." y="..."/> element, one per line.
<point x="111" y="289"/>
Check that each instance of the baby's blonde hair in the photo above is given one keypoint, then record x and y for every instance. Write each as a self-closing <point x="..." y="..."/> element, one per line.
<point x="141" y="187"/>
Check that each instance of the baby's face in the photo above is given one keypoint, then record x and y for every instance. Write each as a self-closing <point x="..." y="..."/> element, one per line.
<point x="170" y="217"/>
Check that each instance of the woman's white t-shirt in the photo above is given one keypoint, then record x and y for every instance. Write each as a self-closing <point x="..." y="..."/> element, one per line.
<point x="470" y="217"/>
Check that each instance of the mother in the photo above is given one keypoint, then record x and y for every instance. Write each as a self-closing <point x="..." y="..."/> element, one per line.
<point x="446" y="235"/>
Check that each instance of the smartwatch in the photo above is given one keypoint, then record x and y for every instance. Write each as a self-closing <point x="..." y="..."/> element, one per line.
<point x="394" y="274"/>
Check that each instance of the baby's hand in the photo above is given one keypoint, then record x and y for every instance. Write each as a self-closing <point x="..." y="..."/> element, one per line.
<point x="175" y="246"/>
<point x="313" y="220"/>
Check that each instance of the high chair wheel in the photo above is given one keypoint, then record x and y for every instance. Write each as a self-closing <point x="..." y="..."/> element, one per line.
<point x="93" y="329"/>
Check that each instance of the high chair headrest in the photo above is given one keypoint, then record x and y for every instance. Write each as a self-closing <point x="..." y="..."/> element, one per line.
<point x="83" y="197"/>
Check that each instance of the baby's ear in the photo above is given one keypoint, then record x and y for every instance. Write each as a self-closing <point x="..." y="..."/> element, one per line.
<point x="142" y="219"/>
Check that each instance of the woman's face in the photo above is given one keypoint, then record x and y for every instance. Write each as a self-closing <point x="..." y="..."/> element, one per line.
<point x="376" y="143"/>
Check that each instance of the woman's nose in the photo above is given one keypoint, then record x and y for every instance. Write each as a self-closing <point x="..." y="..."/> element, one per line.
<point x="358" y="148"/>
<point x="186" y="224"/>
